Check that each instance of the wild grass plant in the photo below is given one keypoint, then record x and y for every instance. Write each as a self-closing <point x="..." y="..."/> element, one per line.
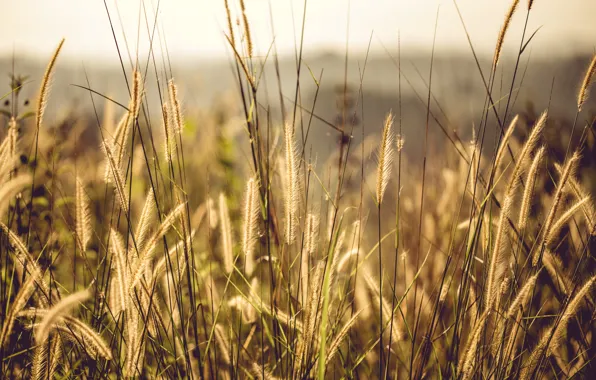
<point x="280" y="269"/>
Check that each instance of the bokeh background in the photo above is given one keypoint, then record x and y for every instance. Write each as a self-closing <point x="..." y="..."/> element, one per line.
<point x="187" y="37"/>
<point x="338" y="64"/>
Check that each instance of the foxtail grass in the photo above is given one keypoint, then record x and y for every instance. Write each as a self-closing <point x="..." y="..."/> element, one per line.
<point x="61" y="308"/>
<point x="503" y="33"/>
<point x="292" y="184"/>
<point x="251" y="213"/>
<point x="582" y="96"/>
<point x="526" y="204"/>
<point x="82" y="216"/>
<point x="44" y="89"/>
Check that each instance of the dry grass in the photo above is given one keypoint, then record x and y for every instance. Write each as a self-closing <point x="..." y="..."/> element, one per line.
<point x="133" y="272"/>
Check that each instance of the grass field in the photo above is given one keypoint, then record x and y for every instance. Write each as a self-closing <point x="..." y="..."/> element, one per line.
<point x="138" y="242"/>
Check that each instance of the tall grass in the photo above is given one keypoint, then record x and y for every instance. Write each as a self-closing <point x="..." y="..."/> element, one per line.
<point x="127" y="270"/>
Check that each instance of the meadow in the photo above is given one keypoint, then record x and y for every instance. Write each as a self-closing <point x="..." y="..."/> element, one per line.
<point x="147" y="240"/>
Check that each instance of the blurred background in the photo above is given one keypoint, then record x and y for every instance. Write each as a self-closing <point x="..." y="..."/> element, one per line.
<point x="189" y="43"/>
<point x="325" y="65"/>
<point x="194" y="29"/>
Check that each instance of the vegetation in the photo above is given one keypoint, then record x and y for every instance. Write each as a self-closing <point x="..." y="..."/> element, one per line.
<point x="142" y="267"/>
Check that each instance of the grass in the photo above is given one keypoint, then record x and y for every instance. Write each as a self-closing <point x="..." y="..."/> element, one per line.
<point x="140" y="267"/>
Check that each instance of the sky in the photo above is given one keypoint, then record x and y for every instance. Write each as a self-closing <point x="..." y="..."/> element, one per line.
<point x="195" y="28"/>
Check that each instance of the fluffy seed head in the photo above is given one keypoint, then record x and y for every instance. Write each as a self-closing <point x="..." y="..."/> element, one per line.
<point x="145" y="220"/>
<point x="44" y="90"/>
<point x="169" y="143"/>
<point x="386" y="152"/>
<point x="43" y="330"/>
<point x="570" y="311"/>
<point x="503" y="32"/>
<point x="147" y="253"/>
<point x="397" y="333"/>
<point x="230" y="26"/>
<point x="582" y="96"/>
<point x="226" y="234"/>
<point x="292" y="184"/>
<point x="505" y="140"/>
<point x="531" y="142"/>
<point x="250" y="223"/>
<point x="176" y="107"/>
<point x="117" y="178"/>
<point x="340" y="336"/>
<point x="84" y="336"/>
<point x="137" y="95"/>
<point x="223" y="343"/>
<point x="533" y="361"/>
<point x="247" y="33"/>
<point x="495" y="270"/>
<point x="10" y="189"/>
<point x="176" y="252"/>
<point x="400" y="142"/>
<point x="346" y="258"/>
<point x="24" y="260"/>
<point x="119" y="284"/>
<point x="17" y="305"/>
<point x="311" y="234"/>
<point x="468" y="361"/>
<point x="568" y="172"/>
<point x="554" y="267"/>
<point x="529" y="189"/>
<point x="563" y="219"/>
<point x="82" y="215"/>
<point x="126" y="124"/>
<point x="581" y="193"/>
<point x="9" y="151"/>
<point x="523" y="296"/>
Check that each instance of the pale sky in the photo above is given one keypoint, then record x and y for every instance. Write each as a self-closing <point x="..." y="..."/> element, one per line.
<point x="194" y="28"/>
